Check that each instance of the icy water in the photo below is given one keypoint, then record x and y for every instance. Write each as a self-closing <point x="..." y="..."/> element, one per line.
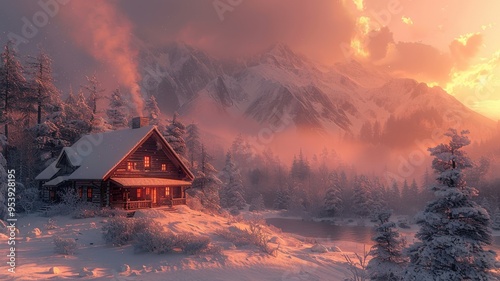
<point x="358" y="234"/>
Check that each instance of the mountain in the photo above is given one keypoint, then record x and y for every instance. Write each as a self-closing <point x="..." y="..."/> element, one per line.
<point x="279" y="85"/>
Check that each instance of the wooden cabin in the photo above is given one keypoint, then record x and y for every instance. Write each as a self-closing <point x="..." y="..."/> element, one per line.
<point x="130" y="169"/>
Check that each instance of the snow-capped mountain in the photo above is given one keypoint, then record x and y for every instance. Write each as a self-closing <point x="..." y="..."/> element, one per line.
<point x="279" y="84"/>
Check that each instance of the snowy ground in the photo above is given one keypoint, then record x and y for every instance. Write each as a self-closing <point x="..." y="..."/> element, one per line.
<point x="295" y="261"/>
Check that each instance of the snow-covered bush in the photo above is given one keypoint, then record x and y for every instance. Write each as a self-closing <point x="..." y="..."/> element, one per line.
<point x="154" y="239"/>
<point x="51" y="224"/>
<point x="65" y="246"/>
<point x="192" y="244"/>
<point x="86" y="210"/>
<point x="254" y="235"/>
<point x="119" y="231"/>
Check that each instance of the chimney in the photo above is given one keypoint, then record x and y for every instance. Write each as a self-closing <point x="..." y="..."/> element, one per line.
<point x="138" y="122"/>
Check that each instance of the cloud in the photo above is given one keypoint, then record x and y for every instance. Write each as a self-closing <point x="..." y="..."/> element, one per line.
<point x="464" y="48"/>
<point x="316" y="28"/>
<point x="378" y="43"/>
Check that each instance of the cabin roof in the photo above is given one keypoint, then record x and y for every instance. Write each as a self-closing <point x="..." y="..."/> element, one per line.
<point x="149" y="182"/>
<point x="96" y="155"/>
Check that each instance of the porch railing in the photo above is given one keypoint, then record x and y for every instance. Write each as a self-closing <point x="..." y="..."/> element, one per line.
<point x="132" y="205"/>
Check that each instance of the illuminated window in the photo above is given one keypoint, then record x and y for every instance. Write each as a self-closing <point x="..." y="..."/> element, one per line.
<point x="131" y="166"/>
<point x="80" y="192"/>
<point x="147" y="191"/>
<point x="139" y="192"/>
<point x="167" y="191"/>
<point x="147" y="162"/>
<point x="163" y="167"/>
<point x="89" y="194"/>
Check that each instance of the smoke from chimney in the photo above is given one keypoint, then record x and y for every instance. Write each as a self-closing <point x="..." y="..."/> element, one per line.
<point x="106" y="34"/>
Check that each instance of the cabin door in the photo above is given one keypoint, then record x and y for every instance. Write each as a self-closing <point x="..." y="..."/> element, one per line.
<point x="153" y="195"/>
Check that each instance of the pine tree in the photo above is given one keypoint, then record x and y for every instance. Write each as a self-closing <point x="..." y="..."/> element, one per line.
<point x="453" y="228"/>
<point x="154" y="114"/>
<point x="333" y="201"/>
<point x="193" y="143"/>
<point x="282" y="199"/>
<point x="42" y="86"/>
<point x="208" y="183"/>
<point x="231" y="195"/>
<point x="257" y="204"/>
<point x="118" y="112"/>
<point x="95" y="91"/>
<point x="13" y="87"/>
<point x="174" y="134"/>
<point x="496" y="219"/>
<point x="3" y="179"/>
<point x="361" y="198"/>
<point x="388" y="262"/>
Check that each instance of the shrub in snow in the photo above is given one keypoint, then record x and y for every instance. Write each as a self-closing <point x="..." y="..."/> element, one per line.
<point x="119" y="231"/>
<point x="65" y="246"/>
<point x="86" y="210"/>
<point x="124" y="268"/>
<point x="191" y="244"/>
<point x="51" y="224"/>
<point x="388" y="261"/>
<point x="85" y="272"/>
<point x="453" y="227"/>
<point x="154" y="239"/>
<point x="254" y="235"/>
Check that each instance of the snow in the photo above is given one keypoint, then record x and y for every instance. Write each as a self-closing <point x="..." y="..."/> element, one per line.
<point x="150" y="182"/>
<point x="98" y="261"/>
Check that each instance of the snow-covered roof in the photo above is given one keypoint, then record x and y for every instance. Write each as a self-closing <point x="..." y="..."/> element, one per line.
<point x="149" y="182"/>
<point x="97" y="155"/>
<point x="56" y="181"/>
<point x="49" y="172"/>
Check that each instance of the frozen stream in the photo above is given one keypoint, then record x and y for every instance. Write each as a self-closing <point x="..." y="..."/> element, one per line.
<point x="358" y="234"/>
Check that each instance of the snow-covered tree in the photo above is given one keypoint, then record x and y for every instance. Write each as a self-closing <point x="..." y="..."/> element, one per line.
<point x="153" y="113"/>
<point x="388" y="262"/>
<point x="333" y="201"/>
<point x="77" y="117"/>
<point x="207" y="182"/>
<point x="13" y="87"/>
<point x="193" y="143"/>
<point x="257" y="204"/>
<point x="281" y="199"/>
<point x="95" y="92"/>
<point x="231" y="194"/>
<point x="118" y="112"/>
<point x="453" y="228"/>
<point x="496" y="219"/>
<point x="50" y="136"/>
<point x="241" y="151"/>
<point x="42" y="85"/>
<point x="174" y="134"/>
<point x="300" y="167"/>
<point x="3" y="179"/>
<point x="361" y="197"/>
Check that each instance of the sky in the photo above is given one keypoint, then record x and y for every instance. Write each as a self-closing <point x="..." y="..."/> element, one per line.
<point x="447" y="43"/>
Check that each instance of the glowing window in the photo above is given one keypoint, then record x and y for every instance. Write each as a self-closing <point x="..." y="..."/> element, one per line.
<point x="80" y="192"/>
<point x="89" y="194"/>
<point x="147" y="162"/>
<point x="163" y="167"/>
<point x="167" y="191"/>
<point x="139" y="193"/>
<point x="131" y="166"/>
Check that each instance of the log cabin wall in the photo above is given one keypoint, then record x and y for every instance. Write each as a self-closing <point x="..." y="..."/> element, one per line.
<point x="152" y="148"/>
